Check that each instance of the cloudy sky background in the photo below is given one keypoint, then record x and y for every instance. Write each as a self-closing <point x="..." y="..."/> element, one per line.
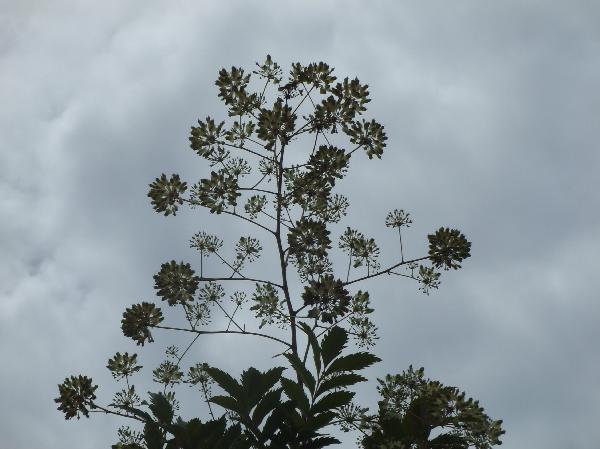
<point x="492" y="112"/>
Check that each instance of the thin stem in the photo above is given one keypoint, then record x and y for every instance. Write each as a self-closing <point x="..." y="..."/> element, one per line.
<point x="228" y="316"/>
<point x="244" y="332"/>
<point x="232" y="315"/>
<point x="349" y="265"/>
<point x="187" y="349"/>
<point x="401" y="249"/>
<point x="355" y="149"/>
<point x="206" y="400"/>
<point x="241" y="147"/>
<point x="387" y="270"/>
<point x="304" y="98"/>
<point x="249" y="220"/>
<point x="257" y="190"/>
<point x="230" y="266"/>
<point x="275" y="218"/>
<point x="403" y="275"/>
<point x="259" y="181"/>
<point x="262" y="95"/>
<point x="107" y="411"/>
<point x="282" y="259"/>
<point x="243" y="278"/>
<point x="326" y="328"/>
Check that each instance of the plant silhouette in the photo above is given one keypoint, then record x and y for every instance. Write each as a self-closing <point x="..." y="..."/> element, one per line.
<point x="292" y="207"/>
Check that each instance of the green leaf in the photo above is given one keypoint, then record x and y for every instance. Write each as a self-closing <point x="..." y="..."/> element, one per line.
<point x="266" y="405"/>
<point x="252" y="386"/>
<point x="161" y="407"/>
<point x="314" y="343"/>
<point x="295" y="392"/>
<point x="415" y="422"/>
<point x="320" y="420"/>
<point x="320" y="442"/>
<point x="352" y="362"/>
<point x="332" y="401"/>
<point x="226" y="382"/>
<point x="135" y="411"/>
<point x="227" y="402"/>
<point x="341" y="380"/>
<point x="301" y="370"/>
<point x="153" y="436"/>
<point x="449" y="441"/>
<point x="333" y="343"/>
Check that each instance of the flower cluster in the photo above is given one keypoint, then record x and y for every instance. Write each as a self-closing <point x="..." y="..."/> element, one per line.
<point x="123" y="365"/>
<point x="176" y="283"/>
<point x="76" y="394"/>
<point x="397" y="219"/>
<point x="138" y="318"/>
<point x="166" y="194"/>
<point x="448" y="247"/>
<point x="206" y="243"/>
<point x="329" y="298"/>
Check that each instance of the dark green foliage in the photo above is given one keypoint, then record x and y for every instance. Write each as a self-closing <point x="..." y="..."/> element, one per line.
<point x="214" y="434"/>
<point x="176" y="283"/>
<point x="76" y="394"/>
<point x="412" y="407"/>
<point x="313" y="403"/>
<point x="166" y="194"/>
<point x="138" y="318"/>
<point x="447" y="247"/>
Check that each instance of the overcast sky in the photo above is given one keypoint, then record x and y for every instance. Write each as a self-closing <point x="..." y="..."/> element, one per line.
<point x="492" y="109"/>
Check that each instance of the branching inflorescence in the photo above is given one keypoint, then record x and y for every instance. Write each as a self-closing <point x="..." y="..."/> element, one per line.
<point x="292" y="206"/>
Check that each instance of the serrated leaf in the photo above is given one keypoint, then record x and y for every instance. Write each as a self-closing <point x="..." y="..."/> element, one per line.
<point x="275" y="420"/>
<point x="153" y="436"/>
<point x="301" y="370"/>
<point x="341" y="380"/>
<point x="333" y="343"/>
<point x="226" y="402"/>
<point x="448" y="441"/>
<point x="314" y="343"/>
<point x="252" y="386"/>
<point x="320" y="420"/>
<point x="320" y="442"/>
<point x="161" y="407"/>
<point x="296" y="393"/>
<point x="352" y="362"/>
<point x="226" y="382"/>
<point x="265" y="406"/>
<point x="415" y="422"/>
<point x="136" y="412"/>
<point x="332" y="401"/>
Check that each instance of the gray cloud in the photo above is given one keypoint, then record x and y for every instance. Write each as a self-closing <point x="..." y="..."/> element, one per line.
<point x="491" y="111"/>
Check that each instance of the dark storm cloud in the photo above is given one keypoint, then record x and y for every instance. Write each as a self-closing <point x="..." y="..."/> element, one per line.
<point x="491" y="111"/>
